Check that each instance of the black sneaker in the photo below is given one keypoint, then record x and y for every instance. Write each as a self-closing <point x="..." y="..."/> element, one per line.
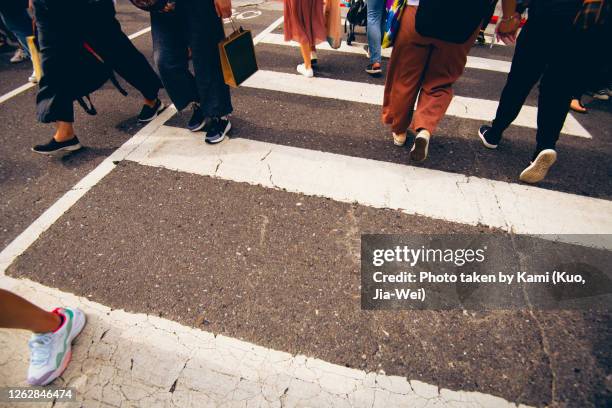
<point x="481" y="38"/>
<point x="488" y="139"/>
<point x="197" y="121"/>
<point x="217" y="129"/>
<point x="149" y="113"/>
<point x="374" y="69"/>
<point x="53" y="146"/>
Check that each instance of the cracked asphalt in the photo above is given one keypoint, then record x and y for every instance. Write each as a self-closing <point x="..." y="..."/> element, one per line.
<point x="281" y="270"/>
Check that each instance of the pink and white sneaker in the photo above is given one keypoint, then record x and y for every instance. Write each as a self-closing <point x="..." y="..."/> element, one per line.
<point x="50" y="352"/>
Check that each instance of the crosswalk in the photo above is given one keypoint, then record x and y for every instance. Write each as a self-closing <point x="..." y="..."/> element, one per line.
<point x="433" y="193"/>
<point x="185" y="366"/>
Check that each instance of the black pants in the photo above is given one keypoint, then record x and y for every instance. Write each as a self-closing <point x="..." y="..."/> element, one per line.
<point x="545" y="51"/>
<point x="63" y="27"/>
<point x="593" y="72"/>
<point x="193" y="24"/>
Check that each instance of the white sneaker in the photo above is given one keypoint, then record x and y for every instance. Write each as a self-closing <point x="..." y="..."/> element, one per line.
<point x="19" y="56"/>
<point x="50" y="352"/>
<point x="32" y="78"/>
<point x="399" y="139"/>
<point x="539" y="166"/>
<point x="308" y="73"/>
<point x="421" y="146"/>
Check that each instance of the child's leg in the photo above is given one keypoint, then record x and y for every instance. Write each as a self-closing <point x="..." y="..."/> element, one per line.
<point x="18" y="313"/>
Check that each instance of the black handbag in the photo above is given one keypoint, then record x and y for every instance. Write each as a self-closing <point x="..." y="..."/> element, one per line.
<point x="452" y="21"/>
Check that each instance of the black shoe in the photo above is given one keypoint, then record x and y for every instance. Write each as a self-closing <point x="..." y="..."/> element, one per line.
<point x="481" y="38"/>
<point x="197" y="121"/>
<point x="374" y="69"/>
<point x="149" y="113"/>
<point x="217" y="129"/>
<point x="53" y="146"/>
<point x="489" y="140"/>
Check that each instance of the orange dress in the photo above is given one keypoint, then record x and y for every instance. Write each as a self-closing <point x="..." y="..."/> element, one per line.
<point x="305" y="21"/>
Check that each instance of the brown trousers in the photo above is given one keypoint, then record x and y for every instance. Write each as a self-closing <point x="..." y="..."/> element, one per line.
<point x="422" y="64"/>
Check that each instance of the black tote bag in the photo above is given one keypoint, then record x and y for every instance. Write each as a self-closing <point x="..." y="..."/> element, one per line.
<point x="450" y="20"/>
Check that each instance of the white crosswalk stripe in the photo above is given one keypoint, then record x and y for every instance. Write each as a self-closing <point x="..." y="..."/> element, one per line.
<point x="358" y="48"/>
<point x="449" y="196"/>
<point x="461" y="106"/>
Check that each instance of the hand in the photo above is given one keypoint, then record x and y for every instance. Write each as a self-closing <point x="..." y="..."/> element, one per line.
<point x="169" y="7"/>
<point x="224" y="8"/>
<point x="507" y="28"/>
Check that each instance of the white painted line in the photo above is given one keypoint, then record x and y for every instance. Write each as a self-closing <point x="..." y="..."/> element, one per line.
<point x="357" y="48"/>
<point x="463" y="107"/>
<point x="29" y="85"/>
<point x="16" y="92"/>
<point x="448" y="196"/>
<point x="53" y="213"/>
<point x="132" y="359"/>
<point x="139" y="33"/>
<point x="259" y="37"/>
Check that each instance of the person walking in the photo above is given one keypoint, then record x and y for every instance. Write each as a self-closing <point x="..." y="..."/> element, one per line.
<point x="305" y="23"/>
<point x="14" y="15"/>
<point x="376" y="21"/>
<point x="194" y="27"/>
<point x="554" y="64"/>
<point x="429" y="55"/>
<point x="63" y="28"/>
<point x="16" y="18"/>
<point x="52" y="334"/>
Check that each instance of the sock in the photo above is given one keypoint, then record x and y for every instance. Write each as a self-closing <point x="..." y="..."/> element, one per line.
<point x="62" y="319"/>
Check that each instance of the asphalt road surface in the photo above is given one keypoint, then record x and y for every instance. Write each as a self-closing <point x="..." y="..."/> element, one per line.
<point x="280" y="268"/>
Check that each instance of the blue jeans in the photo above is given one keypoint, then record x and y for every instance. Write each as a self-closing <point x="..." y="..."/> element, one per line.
<point x="17" y="20"/>
<point x="376" y="12"/>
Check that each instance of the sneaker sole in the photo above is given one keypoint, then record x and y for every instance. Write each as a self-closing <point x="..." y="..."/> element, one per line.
<point x="222" y="138"/>
<point x="537" y="170"/>
<point x="197" y="128"/>
<point x="374" y="71"/>
<point x="72" y="148"/>
<point x="160" y="110"/>
<point x="484" y="141"/>
<point x="420" y="149"/>
<point x="79" y="325"/>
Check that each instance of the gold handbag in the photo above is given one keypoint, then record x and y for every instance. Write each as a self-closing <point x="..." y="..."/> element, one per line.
<point x="237" y="53"/>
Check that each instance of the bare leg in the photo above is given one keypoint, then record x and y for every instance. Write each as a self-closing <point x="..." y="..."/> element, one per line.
<point x="65" y="131"/>
<point x="18" y="313"/>
<point x="306" y="50"/>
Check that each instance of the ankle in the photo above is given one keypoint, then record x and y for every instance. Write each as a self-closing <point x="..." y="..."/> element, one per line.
<point x="63" y="137"/>
<point x="52" y="322"/>
<point x="150" y="102"/>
